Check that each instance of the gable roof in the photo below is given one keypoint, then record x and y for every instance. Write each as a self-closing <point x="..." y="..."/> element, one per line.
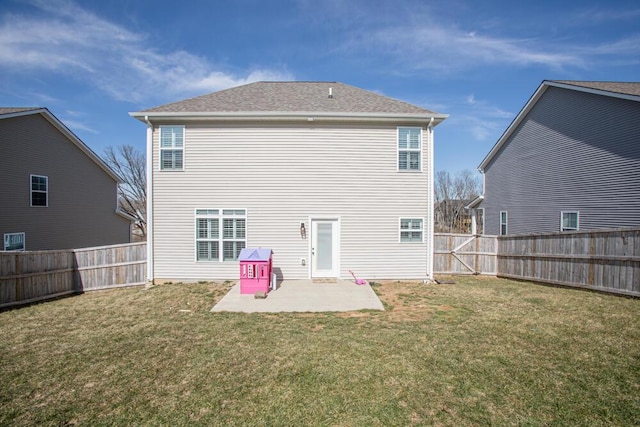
<point x="623" y="90"/>
<point x="290" y="99"/>
<point x="9" y="112"/>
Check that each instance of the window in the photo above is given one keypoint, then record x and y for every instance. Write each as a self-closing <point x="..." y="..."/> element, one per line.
<point x="220" y="234"/>
<point x="503" y="223"/>
<point x="409" y="149"/>
<point x="39" y="190"/>
<point x="14" y="242"/>
<point x="411" y="230"/>
<point x="171" y="147"/>
<point x="569" y="221"/>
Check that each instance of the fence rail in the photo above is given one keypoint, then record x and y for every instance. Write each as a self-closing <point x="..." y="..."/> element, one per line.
<point x="27" y="277"/>
<point x="464" y="254"/>
<point x="604" y="260"/>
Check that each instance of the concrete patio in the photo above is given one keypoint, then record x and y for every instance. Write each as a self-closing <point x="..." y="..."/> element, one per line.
<point x="303" y="296"/>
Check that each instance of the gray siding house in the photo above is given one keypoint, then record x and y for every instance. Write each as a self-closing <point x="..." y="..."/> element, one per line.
<point x="331" y="177"/>
<point x="55" y="192"/>
<point x="569" y="161"/>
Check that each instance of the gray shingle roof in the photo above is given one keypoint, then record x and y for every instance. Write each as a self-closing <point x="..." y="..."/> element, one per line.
<point x="626" y="88"/>
<point x="11" y="110"/>
<point x="292" y="97"/>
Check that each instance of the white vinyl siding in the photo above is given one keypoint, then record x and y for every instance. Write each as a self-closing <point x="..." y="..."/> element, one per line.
<point x="14" y="242"/>
<point x="172" y="147"/>
<point x="411" y="230"/>
<point x="569" y="221"/>
<point x="409" y="149"/>
<point x="39" y="190"/>
<point x="284" y="174"/>
<point x="220" y="234"/>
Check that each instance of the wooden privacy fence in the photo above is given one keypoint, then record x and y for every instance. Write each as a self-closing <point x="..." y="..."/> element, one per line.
<point x="604" y="260"/>
<point x="464" y="254"/>
<point x="27" y="277"/>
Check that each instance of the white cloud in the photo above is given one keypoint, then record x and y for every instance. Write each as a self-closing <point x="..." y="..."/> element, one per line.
<point x="64" y="38"/>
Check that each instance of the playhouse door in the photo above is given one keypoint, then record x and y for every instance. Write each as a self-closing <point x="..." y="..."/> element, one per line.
<point x="325" y="245"/>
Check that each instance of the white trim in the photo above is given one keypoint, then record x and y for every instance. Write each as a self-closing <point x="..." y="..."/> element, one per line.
<point x="336" y="220"/>
<point x="506" y="223"/>
<point x="160" y="148"/>
<point x="221" y="217"/>
<point x="24" y="241"/>
<point x="430" y="201"/>
<point x="422" y="229"/>
<point x="150" y="234"/>
<point x="31" y="190"/>
<point x="562" y="220"/>
<point x="287" y="115"/>
<point x="408" y="150"/>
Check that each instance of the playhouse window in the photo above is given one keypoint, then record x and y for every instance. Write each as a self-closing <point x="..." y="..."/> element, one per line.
<point x="220" y="234"/>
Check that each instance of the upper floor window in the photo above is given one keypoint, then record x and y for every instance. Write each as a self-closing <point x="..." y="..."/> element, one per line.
<point x="411" y="230"/>
<point x="171" y="147"/>
<point x="14" y="242"/>
<point x="503" y="223"/>
<point x="409" y="148"/>
<point x="39" y="190"/>
<point x="220" y="234"/>
<point x="569" y="221"/>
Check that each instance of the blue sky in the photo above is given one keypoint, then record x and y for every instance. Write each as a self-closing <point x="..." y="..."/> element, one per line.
<point x="92" y="62"/>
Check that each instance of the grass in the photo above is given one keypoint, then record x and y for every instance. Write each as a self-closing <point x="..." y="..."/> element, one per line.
<point x="479" y="352"/>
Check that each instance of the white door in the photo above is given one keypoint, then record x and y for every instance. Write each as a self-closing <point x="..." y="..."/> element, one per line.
<point x="324" y="248"/>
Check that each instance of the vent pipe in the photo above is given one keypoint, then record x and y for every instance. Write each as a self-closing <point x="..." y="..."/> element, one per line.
<point x="330" y="92"/>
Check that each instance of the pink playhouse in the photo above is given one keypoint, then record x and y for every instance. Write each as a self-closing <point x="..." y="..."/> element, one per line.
<point x="255" y="270"/>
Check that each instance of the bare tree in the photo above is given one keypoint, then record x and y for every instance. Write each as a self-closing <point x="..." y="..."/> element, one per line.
<point x="451" y="196"/>
<point x="131" y="166"/>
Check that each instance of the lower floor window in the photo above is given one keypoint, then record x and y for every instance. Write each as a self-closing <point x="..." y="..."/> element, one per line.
<point x="411" y="229"/>
<point x="220" y="234"/>
<point x="569" y="221"/>
<point x="14" y="242"/>
<point x="503" y="223"/>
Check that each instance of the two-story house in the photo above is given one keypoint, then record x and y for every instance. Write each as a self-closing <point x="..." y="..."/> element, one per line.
<point x="55" y="192"/>
<point x="330" y="177"/>
<point x="569" y="161"/>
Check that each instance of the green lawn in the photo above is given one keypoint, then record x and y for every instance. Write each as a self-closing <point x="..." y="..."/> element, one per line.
<point x="478" y="352"/>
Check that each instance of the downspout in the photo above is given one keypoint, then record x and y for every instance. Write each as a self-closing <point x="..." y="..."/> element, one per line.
<point x="149" y="200"/>
<point x="430" y="220"/>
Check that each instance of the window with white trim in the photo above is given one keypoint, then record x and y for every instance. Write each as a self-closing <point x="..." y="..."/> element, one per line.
<point x="39" y="190"/>
<point x="220" y="234"/>
<point x="14" y="242"/>
<point x="409" y="148"/>
<point x="503" y="223"/>
<point x="569" y="220"/>
<point x="411" y="230"/>
<point x="171" y="147"/>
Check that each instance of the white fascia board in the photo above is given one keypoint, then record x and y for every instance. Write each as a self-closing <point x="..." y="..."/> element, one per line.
<point x="309" y="116"/>
<point x="514" y="124"/>
<point x="475" y="202"/>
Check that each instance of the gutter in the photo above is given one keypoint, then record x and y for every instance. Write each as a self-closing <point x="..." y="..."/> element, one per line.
<point x="150" y="258"/>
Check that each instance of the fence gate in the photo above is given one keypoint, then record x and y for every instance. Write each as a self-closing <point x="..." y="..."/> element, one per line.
<point x="464" y="254"/>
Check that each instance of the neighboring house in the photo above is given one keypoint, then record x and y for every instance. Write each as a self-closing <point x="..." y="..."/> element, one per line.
<point x="331" y="177"/>
<point x="569" y="161"/>
<point x="55" y="192"/>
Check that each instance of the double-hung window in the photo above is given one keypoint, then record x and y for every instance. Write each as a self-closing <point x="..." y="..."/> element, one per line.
<point x="409" y="148"/>
<point x="14" y="242"/>
<point x="503" y="223"/>
<point x="220" y="234"/>
<point x="569" y="221"/>
<point x="411" y="230"/>
<point x="172" y="147"/>
<point x="39" y="190"/>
